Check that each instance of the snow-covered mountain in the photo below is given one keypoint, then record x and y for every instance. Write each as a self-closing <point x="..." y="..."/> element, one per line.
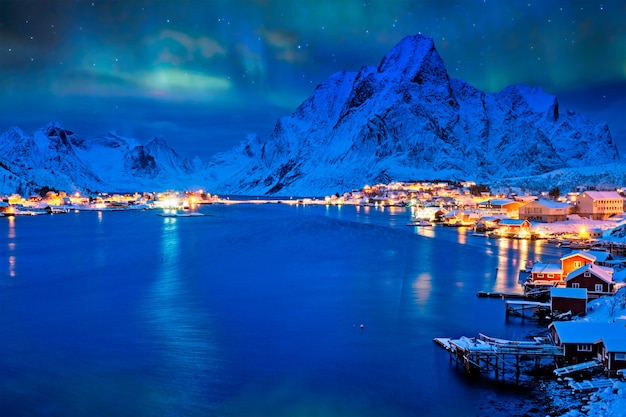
<point x="57" y="158"/>
<point x="406" y="119"/>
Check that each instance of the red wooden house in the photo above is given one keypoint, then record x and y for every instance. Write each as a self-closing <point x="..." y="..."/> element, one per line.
<point x="595" y="279"/>
<point x="514" y="228"/>
<point x="575" y="260"/>
<point x="550" y="273"/>
<point x="583" y="341"/>
<point x="564" y="299"/>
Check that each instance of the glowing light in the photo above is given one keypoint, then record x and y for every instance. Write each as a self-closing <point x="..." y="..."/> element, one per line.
<point x="12" y="266"/>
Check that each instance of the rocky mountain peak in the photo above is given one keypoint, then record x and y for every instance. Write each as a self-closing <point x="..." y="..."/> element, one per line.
<point x="414" y="59"/>
<point x="407" y="119"/>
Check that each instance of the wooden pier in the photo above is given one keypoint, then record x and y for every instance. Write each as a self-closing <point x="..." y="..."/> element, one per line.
<point x="497" y="294"/>
<point x="485" y="354"/>
<point x="519" y="308"/>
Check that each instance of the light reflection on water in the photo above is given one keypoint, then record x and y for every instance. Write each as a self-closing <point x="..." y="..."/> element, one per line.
<point x="11" y="245"/>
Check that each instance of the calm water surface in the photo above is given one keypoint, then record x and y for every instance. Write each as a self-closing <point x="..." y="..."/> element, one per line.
<point x="255" y="311"/>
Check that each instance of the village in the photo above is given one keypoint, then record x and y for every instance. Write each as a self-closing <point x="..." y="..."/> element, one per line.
<point x="587" y="355"/>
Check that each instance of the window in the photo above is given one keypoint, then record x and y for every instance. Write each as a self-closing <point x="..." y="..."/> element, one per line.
<point x="584" y="348"/>
<point x="540" y="275"/>
<point x="620" y="356"/>
<point x="598" y="288"/>
<point x="587" y="274"/>
<point x="577" y="264"/>
<point x="575" y="285"/>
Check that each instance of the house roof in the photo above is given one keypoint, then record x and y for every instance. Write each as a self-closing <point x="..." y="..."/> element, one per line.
<point x="615" y="345"/>
<point x="512" y="222"/>
<point x="601" y="255"/>
<point x="584" y="254"/>
<point x="552" y="204"/>
<point x="597" y="195"/>
<point x="588" y="332"/>
<point x="499" y="201"/>
<point x="565" y="292"/>
<point x="541" y="268"/>
<point x="594" y="269"/>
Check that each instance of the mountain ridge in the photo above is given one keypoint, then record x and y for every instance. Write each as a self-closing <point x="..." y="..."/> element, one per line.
<point x="404" y="119"/>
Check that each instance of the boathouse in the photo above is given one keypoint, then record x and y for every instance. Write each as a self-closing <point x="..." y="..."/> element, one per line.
<point x="515" y="228"/>
<point x="582" y="341"/>
<point x="614" y="354"/>
<point x="595" y="279"/>
<point x="550" y="273"/>
<point x="563" y="300"/>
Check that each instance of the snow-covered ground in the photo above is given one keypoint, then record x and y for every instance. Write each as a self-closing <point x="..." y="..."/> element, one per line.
<point x="610" y="402"/>
<point x="575" y="224"/>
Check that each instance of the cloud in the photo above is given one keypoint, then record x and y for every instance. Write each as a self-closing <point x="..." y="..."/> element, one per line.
<point x="283" y="43"/>
<point x="180" y="47"/>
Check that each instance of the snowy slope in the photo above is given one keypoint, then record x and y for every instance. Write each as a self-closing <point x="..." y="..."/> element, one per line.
<point x="60" y="159"/>
<point x="406" y="119"/>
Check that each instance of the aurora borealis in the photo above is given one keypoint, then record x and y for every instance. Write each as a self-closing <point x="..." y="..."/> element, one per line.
<point x="203" y="74"/>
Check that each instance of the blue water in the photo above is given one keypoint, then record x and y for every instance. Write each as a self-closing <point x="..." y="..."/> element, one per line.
<point x="254" y="311"/>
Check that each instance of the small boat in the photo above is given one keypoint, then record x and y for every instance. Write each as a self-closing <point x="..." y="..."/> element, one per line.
<point x="419" y="222"/>
<point x="180" y="214"/>
<point x="580" y="245"/>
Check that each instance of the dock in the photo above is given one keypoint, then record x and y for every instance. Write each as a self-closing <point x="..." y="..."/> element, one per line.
<point x="584" y="366"/>
<point x="485" y="354"/>
<point x="519" y="308"/>
<point x="591" y="385"/>
<point x="497" y="294"/>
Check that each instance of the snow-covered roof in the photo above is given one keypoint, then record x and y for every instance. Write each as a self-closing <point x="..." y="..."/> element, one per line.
<point x="553" y="204"/>
<point x="512" y="222"/>
<point x="584" y="254"/>
<point x="615" y="345"/>
<point x="498" y="201"/>
<point x="588" y="332"/>
<point x="594" y="269"/>
<point x="565" y="292"/>
<point x="603" y="195"/>
<point x="601" y="255"/>
<point x="541" y="268"/>
<point x="491" y="218"/>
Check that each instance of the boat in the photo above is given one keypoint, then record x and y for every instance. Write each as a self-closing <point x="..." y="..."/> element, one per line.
<point x="580" y="244"/>
<point x="419" y="222"/>
<point x="180" y="214"/>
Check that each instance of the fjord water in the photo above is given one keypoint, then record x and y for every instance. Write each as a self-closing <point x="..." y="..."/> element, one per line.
<point x="253" y="311"/>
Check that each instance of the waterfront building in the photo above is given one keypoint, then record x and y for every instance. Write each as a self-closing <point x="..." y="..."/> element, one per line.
<point x="545" y="211"/>
<point x="599" y="205"/>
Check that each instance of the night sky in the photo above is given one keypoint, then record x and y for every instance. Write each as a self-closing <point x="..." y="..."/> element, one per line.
<point x="205" y="73"/>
